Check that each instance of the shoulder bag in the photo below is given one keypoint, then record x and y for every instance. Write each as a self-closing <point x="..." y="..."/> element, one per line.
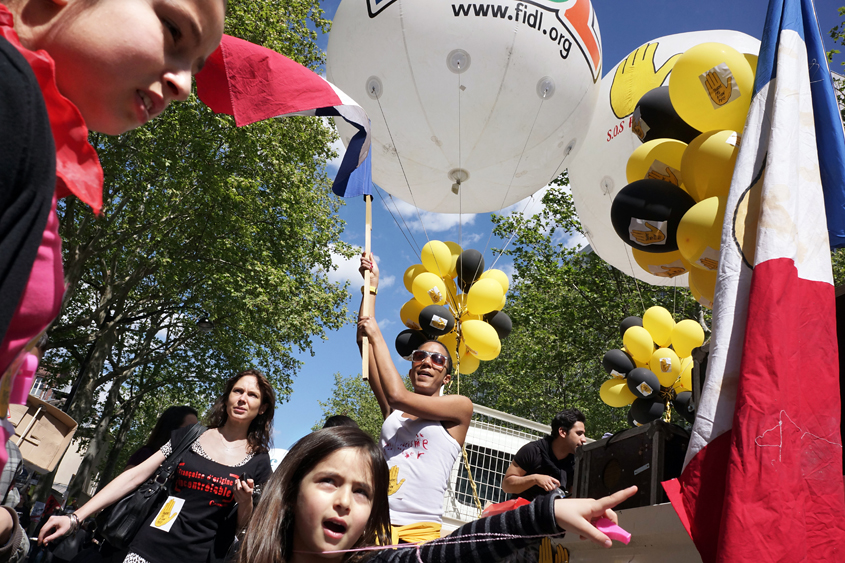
<point x="121" y="521"/>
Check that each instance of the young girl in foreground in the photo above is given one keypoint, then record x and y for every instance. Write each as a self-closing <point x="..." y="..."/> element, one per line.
<point x="330" y="494"/>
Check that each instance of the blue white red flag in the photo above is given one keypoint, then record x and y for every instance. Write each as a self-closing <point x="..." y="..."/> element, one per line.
<point x="762" y="479"/>
<point x="254" y="83"/>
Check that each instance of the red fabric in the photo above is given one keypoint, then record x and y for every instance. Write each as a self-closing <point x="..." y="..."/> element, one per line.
<point x="254" y="83"/>
<point x="775" y="479"/>
<point x="500" y="507"/>
<point x="78" y="169"/>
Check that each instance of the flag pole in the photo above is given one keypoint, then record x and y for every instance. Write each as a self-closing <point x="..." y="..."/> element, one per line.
<point x="365" y="305"/>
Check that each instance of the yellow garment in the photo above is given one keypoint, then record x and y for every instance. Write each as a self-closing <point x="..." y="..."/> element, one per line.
<point x="415" y="533"/>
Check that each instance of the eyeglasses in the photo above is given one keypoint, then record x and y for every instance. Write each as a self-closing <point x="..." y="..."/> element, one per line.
<point x="437" y="358"/>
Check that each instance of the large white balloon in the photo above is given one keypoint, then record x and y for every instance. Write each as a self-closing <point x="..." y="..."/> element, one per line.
<point x="496" y="95"/>
<point x="598" y="173"/>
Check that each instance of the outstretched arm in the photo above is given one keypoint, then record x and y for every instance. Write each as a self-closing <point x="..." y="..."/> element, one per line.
<point x="368" y="263"/>
<point x="122" y="485"/>
<point x="516" y="480"/>
<point x="447" y="408"/>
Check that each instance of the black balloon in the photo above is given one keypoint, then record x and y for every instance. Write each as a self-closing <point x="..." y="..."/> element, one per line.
<point x="627" y="323"/>
<point x="643" y="383"/>
<point x="409" y="340"/>
<point x="656" y="118"/>
<point x="436" y="320"/>
<point x="652" y="202"/>
<point x="644" y="411"/>
<point x="631" y="421"/>
<point x="684" y="405"/>
<point x="617" y="361"/>
<point x="501" y="322"/>
<point x="470" y="266"/>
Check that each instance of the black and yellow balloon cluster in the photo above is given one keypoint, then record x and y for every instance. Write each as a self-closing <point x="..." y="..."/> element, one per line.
<point x="672" y="210"/>
<point x="654" y="367"/>
<point x="457" y="301"/>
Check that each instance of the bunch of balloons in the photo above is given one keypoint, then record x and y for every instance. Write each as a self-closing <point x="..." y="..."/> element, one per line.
<point x="456" y="301"/>
<point x="673" y="208"/>
<point x="654" y="367"/>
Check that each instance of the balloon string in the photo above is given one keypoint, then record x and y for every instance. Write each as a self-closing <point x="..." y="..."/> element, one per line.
<point x="407" y="183"/>
<point x="413" y="244"/>
<point x="516" y="168"/>
<point x="460" y="167"/>
<point x="469" y="538"/>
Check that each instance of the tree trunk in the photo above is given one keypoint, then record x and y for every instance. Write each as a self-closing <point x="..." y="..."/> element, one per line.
<point x="108" y="472"/>
<point x="94" y="456"/>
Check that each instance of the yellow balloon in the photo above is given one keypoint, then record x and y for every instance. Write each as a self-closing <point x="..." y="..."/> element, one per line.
<point x="429" y="289"/>
<point x="411" y="274"/>
<point x="658" y="159"/>
<point x="499" y="276"/>
<point x="666" y="366"/>
<point x="659" y="324"/>
<point x="710" y="87"/>
<point x="752" y="62"/>
<point x="467" y="316"/>
<point x="456" y="250"/>
<point x="661" y="264"/>
<point x="410" y="314"/>
<point x="437" y="258"/>
<point x="615" y="393"/>
<point x="638" y="343"/>
<point x="686" y="374"/>
<point x="700" y="233"/>
<point x="468" y="364"/>
<point x="450" y="341"/>
<point x="484" y="296"/>
<point x="702" y="283"/>
<point x="708" y="164"/>
<point x="481" y="339"/>
<point x="461" y="304"/>
<point x="502" y="303"/>
<point x="687" y="335"/>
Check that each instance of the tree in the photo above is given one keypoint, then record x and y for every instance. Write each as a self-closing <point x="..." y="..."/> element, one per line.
<point x="201" y="219"/>
<point x="352" y="396"/>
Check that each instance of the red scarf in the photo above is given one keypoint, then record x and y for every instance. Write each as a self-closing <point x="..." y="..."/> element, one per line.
<point x="78" y="169"/>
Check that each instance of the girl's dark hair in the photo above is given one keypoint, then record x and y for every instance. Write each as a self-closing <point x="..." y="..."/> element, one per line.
<point x="261" y="428"/>
<point x="170" y="420"/>
<point x="269" y="536"/>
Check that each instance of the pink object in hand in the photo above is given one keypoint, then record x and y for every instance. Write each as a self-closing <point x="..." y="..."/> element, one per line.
<point x="612" y="531"/>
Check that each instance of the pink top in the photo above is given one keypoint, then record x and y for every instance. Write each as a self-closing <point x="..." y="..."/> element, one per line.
<point x="42" y="298"/>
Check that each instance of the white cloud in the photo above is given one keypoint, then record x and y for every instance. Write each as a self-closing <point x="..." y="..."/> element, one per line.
<point x="346" y="269"/>
<point x="434" y="222"/>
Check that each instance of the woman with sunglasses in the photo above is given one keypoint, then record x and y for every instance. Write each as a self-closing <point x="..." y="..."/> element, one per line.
<point x="423" y="431"/>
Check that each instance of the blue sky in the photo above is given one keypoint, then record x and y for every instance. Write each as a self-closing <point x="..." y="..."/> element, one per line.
<point x="624" y="24"/>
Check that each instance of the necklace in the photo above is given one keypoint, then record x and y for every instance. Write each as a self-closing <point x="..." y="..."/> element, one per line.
<point x="229" y="449"/>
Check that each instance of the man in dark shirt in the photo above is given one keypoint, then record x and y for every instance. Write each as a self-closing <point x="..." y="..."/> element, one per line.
<point x="544" y="465"/>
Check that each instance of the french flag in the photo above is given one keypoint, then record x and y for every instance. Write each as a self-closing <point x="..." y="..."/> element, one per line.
<point x="763" y="479"/>
<point x="253" y="83"/>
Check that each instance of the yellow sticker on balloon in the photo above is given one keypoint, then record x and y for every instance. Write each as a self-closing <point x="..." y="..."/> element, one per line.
<point x="709" y="258"/>
<point x="168" y="513"/>
<point x="438" y="322"/>
<point x="662" y="171"/>
<point x="638" y="125"/>
<point x="720" y="84"/>
<point x="645" y="232"/>
<point x="435" y="295"/>
<point x="665" y="365"/>
<point x="669" y="270"/>
<point x="645" y="389"/>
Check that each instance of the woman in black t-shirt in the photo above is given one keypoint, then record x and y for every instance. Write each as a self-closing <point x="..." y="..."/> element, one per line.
<point x="213" y="487"/>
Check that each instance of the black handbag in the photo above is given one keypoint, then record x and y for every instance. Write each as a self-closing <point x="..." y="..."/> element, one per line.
<point x="119" y="523"/>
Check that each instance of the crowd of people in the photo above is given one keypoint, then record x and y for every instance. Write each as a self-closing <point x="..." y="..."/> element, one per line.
<point x="70" y="66"/>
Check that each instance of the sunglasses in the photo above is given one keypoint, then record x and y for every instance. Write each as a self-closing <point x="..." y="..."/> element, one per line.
<point x="437" y="358"/>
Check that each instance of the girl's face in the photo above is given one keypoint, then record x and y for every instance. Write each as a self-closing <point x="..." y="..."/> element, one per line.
<point x="123" y="61"/>
<point x="244" y="402"/>
<point x="334" y="504"/>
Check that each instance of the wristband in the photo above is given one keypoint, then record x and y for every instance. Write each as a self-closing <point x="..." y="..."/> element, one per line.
<point x="373" y="290"/>
<point x="74" y="523"/>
